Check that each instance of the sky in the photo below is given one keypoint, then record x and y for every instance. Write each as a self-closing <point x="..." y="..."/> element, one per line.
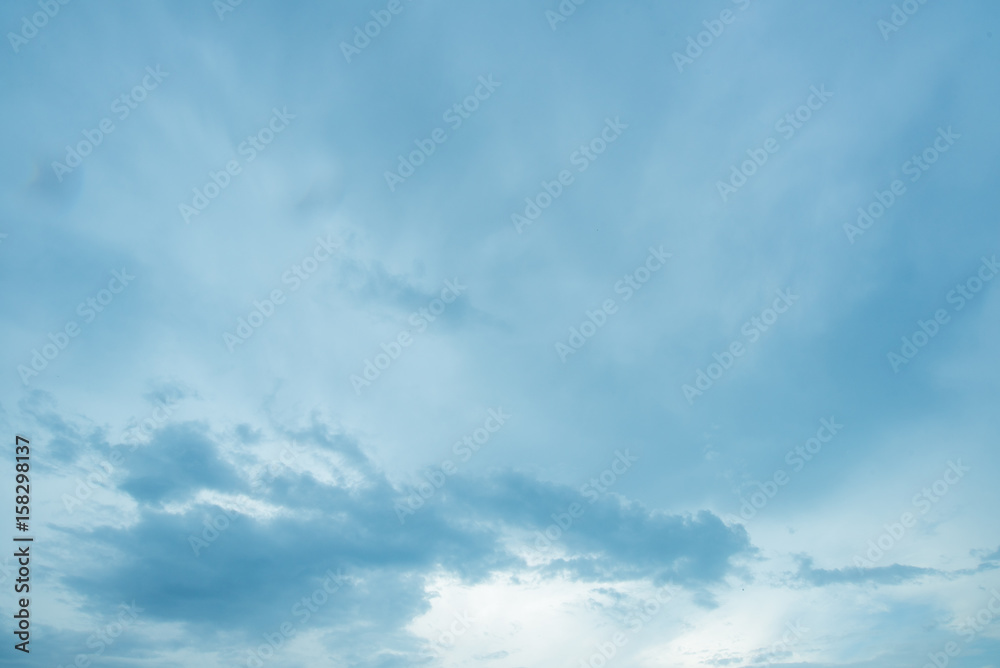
<point x="515" y="334"/>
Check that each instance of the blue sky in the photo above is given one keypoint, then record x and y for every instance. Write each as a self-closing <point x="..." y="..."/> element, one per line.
<point x="688" y="411"/>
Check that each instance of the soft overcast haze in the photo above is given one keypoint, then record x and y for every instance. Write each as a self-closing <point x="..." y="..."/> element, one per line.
<point x="512" y="336"/>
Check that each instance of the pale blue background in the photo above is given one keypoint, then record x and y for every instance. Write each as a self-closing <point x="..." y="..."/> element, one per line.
<point x="674" y="517"/>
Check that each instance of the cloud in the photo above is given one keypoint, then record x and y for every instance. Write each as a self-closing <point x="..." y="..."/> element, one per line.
<point x="332" y="505"/>
<point x="893" y="574"/>
<point x="995" y="556"/>
<point x="885" y="575"/>
<point x="612" y="539"/>
<point x="181" y="459"/>
<point x="218" y="568"/>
